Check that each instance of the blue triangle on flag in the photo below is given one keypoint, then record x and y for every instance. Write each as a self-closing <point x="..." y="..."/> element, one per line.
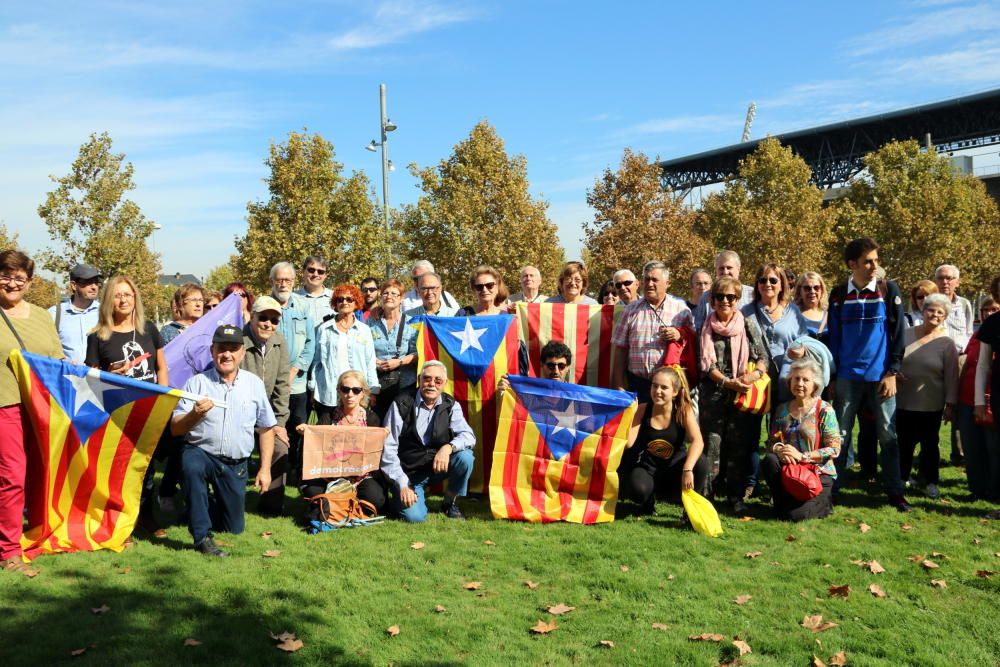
<point x="566" y="414"/>
<point x="472" y="342"/>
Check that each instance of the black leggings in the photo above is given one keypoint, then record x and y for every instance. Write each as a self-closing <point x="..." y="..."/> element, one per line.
<point x="787" y="507"/>
<point x="652" y="475"/>
<point x="372" y="489"/>
<point x="919" y="427"/>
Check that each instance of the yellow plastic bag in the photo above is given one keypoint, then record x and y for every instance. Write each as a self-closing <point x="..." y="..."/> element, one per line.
<point x="701" y="512"/>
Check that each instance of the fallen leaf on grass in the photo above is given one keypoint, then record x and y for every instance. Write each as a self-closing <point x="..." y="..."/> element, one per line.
<point x="284" y="636"/>
<point x="125" y="570"/>
<point x="816" y="662"/>
<point x="929" y="565"/>
<point x="864" y="527"/>
<point x="440" y="609"/>
<point x="661" y="626"/>
<point x="103" y="609"/>
<point x="875" y="567"/>
<point x="417" y="545"/>
<point x="623" y="568"/>
<point x="742" y="646"/>
<point x="489" y="543"/>
<point x="191" y="642"/>
<point x="392" y="630"/>
<point x="266" y="535"/>
<point x="976" y="540"/>
<point x="938" y="554"/>
<point x="745" y="518"/>
<point x="472" y="585"/>
<point x="560" y="609"/>
<point x="915" y="559"/>
<point x="287" y="642"/>
<point x="816" y="623"/>
<point x="905" y="526"/>
<point x="743" y="599"/>
<point x="531" y="584"/>
<point x="542" y="628"/>
<point x="839" y="659"/>
<point x="78" y="651"/>
<point x="606" y="643"/>
<point x="223" y="543"/>
<point x="670" y="577"/>
<point x="939" y="583"/>
<point x="706" y="637"/>
<point x="839" y="591"/>
<point x="272" y="553"/>
<point x="997" y="554"/>
<point x="945" y="501"/>
<point x="985" y="574"/>
<point x="753" y="554"/>
<point x="791" y="538"/>
<point x="876" y="590"/>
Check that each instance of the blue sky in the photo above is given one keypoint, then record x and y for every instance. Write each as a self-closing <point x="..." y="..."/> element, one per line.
<point x="193" y="92"/>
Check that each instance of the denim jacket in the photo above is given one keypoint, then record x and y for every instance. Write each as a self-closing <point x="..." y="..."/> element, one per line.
<point x="360" y="357"/>
<point x="297" y="327"/>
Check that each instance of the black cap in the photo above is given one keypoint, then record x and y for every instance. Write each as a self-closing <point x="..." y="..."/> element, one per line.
<point x="83" y="272"/>
<point x="227" y="333"/>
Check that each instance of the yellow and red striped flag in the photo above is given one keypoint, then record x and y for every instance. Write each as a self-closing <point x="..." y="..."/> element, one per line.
<point x="93" y="436"/>
<point x="586" y="330"/>
<point x="477" y="352"/>
<point x="557" y="451"/>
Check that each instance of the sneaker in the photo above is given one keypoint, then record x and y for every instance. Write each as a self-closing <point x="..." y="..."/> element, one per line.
<point x="167" y="504"/>
<point x="451" y="510"/>
<point x="932" y="491"/>
<point x="208" y="547"/>
<point x="899" y="502"/>
<point x="911" y="483"/>
<point x="739" y="507"/>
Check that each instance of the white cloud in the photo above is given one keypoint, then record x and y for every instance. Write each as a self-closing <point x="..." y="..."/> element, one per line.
<point x="706" y="123"/>
<point x="976" y="63"/>
<point x="942" y="24"/>
<point x="396" y="20"/>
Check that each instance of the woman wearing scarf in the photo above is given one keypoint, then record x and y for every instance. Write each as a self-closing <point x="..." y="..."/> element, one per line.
<point x="729" y="343"/>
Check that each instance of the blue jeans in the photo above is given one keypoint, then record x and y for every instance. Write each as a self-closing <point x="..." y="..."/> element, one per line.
<point x="222" y="509"/>
<point x="849" y="398"/>
<point x="982" y="454"/>
<point x="459" y="471"/>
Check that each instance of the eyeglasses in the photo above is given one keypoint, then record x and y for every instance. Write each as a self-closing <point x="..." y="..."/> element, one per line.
<point x="193" y="301"/>
<point x="14" y="280"/>
<point x="390" y="295"/>
<point x="484" y="287"/>
<point x="577" y="280"/>
<point x="343" y="299"/>
<point x="724" y="297"/>
<point x="314" y="270"/>
<point x="369" y="290"/>
<point x="768" y="280"/>
<point x="811" y="288"/>
<point x="283" y="281"/>
<point x="947" y="279"/>
<point x="556" y="365"/>
<point x="432" y="288"/>
<point x="124" y="295"/>
<point x="432" y="380"/>
<point x="624" y="283"/>
<point x="349" y="390"/>
<point x="919" y="297"/>
<point x="273" y="319"/>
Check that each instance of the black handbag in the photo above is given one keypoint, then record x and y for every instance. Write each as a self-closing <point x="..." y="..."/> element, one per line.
<point x="389" y="379"/>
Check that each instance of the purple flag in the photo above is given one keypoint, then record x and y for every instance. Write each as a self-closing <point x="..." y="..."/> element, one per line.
<point x="188" y="354"/>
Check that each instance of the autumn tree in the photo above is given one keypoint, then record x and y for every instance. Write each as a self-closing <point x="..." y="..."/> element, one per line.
<point x="220" y="276"/>
<point x="923" y="214"/>
<point x="91" y="219"/>
<point x="476" y="209"/>
<point x="8" y="240"/>
<point x="636" y="220"/>
<point x="771" y="212"/>
<point x="311" y="209"/>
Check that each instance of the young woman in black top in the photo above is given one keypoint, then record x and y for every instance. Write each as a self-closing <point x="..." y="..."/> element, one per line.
<point x="669" y="441"/>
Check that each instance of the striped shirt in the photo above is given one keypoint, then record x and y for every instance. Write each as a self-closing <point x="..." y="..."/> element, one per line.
<point x="638" y="331"/>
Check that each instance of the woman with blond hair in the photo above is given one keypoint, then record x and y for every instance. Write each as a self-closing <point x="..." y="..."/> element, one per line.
<point x="920" y="291"/>
<point x="812" y="299"/>
<point x="573" y="285"/>
<point x="490" y="290"/>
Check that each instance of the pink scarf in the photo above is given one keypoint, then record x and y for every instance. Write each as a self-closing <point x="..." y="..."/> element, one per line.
<point x="739" y="347"/>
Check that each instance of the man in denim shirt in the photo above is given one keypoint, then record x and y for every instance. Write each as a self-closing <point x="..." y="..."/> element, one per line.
<point x="78" y="315"/>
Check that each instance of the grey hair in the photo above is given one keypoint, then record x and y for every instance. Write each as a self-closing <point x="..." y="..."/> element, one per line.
<point x="420" y="280"/>
<point x="937" y="299"/>
<point x="696" y="272"/>
<point x="811" y="367"/>
<point x="622" y="272"/>
<point x="941" y="268"/>
<point x="279" y="266"/>
<point x="529" y="266"/>
<point x="728" y="254"/>
<point x="654" y="265"/>
<point x="422" y="264"/>
<point x="432" y="364"/>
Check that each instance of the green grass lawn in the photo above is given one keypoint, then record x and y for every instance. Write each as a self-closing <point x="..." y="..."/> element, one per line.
<point x="339" y="592"/>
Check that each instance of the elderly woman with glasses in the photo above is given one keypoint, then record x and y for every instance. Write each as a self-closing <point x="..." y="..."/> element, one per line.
<point x="188" y="306"/>
<point x="490" y="290"/>
<point x="812" y="300"/>
<point x="395" y="346"/>
<point x="342" y="343"/>
<point x="573" y="285"/>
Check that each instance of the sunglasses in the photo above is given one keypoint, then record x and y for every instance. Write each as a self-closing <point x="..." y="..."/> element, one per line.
<point x="273" y="319"/>
<point x="484" y="287"/>
<point x="768" y="280"/>
<point x="724" y="297"/>
<point x="811" y="288"/>
<point x="349" y="390"/>
<point x="343" y="299"/>
<point x="318" y="272"/>
<point x="556" y="365"/>
<point x="369" y="290"/>
<point x="624" y="283"/>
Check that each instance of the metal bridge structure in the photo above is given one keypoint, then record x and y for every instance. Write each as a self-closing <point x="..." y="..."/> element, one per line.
<point x="836" y="152"/>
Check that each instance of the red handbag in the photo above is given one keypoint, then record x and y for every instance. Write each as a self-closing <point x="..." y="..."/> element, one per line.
<point x="801" y="480"/>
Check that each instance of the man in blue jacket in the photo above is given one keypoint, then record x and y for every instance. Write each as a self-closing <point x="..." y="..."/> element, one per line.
<point x="866" y="340"/>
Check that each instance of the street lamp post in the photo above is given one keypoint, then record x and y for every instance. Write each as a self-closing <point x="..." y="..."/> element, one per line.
<point x="385" y="127"/>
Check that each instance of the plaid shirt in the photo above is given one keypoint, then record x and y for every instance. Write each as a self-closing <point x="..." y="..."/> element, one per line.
<point x="638" y="331"/>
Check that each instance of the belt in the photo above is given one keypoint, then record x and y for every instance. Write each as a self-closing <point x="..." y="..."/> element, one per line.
<point x="229" y="461"/>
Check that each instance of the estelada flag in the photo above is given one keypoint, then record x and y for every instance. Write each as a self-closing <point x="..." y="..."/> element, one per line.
<point x="477" y="352"/>
<point x="586" y="330"/>
<point x="91" y="438"/>
<point x="557" y="451"/>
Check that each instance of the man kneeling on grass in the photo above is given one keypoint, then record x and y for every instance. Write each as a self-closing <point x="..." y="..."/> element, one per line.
<point x="429" y="441"/>
<point x="219" y="440"/>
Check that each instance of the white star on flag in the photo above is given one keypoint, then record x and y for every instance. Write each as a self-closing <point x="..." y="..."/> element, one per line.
<point x="89" y="389"/>
<point x="567" y="420"/>
<point x="469" y="336"/>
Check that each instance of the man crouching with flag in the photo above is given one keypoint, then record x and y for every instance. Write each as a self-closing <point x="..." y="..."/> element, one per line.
<point x="218" y="440"/>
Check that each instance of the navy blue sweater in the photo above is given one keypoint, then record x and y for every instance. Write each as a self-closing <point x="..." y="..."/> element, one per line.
<point x="866" y="331"/>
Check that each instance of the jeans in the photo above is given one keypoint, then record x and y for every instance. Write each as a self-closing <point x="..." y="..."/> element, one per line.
<point x="221" y="510"/>
<point x="850" y="396"/>
<point x="982" y="454"/>
<point x="459" y="471"/>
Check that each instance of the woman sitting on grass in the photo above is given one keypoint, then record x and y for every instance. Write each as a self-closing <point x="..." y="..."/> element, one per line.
<point x="670" y="445"/>
<point x="805" y="431"/>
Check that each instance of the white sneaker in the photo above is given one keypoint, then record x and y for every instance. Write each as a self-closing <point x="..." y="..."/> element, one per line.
<point x="932" y="491"/>
<point x="911" y="483"/>
<point x="167" y="505"/>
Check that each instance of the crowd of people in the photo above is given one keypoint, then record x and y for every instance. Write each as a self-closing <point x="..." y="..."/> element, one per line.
<point x="864" y="350"/>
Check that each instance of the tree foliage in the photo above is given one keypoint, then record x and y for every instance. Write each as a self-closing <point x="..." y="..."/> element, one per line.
<point x="92" y="221"/>
<point x="476" y="209"/>
<point x="771" y="212"/>
<point x="312" y="209"/>
<point x="636" y="220"/>
<point x="923" y="214"/>
<point x="220" y="276"/>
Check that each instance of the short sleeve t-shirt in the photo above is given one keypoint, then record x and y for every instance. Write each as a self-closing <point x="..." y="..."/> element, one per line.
<point x="127" y="347"/>
<point x="989" y="333"/>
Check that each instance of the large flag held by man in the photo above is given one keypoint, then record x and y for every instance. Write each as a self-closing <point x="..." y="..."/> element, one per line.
<point x="557" y="451"/>
<point x="477" y="352"/>
<point x="189" y="353"/>
<point x="94" y="434"/>
<point x="586" y="330"/>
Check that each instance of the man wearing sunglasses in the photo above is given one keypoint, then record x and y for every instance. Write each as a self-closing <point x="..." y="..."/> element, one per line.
<point x="626" y="286"/>
<point x="78" y="315"/>
<point x="316" y="294"/>
<point x="369" y="299"/>
<point x="267" y="358"/>
<point x="429" y="441"/>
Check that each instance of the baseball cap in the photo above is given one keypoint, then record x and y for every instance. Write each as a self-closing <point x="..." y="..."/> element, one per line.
<point x="83" y="272"/>
<point x="266" y="303"/>
<point x="227" y="333"/>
